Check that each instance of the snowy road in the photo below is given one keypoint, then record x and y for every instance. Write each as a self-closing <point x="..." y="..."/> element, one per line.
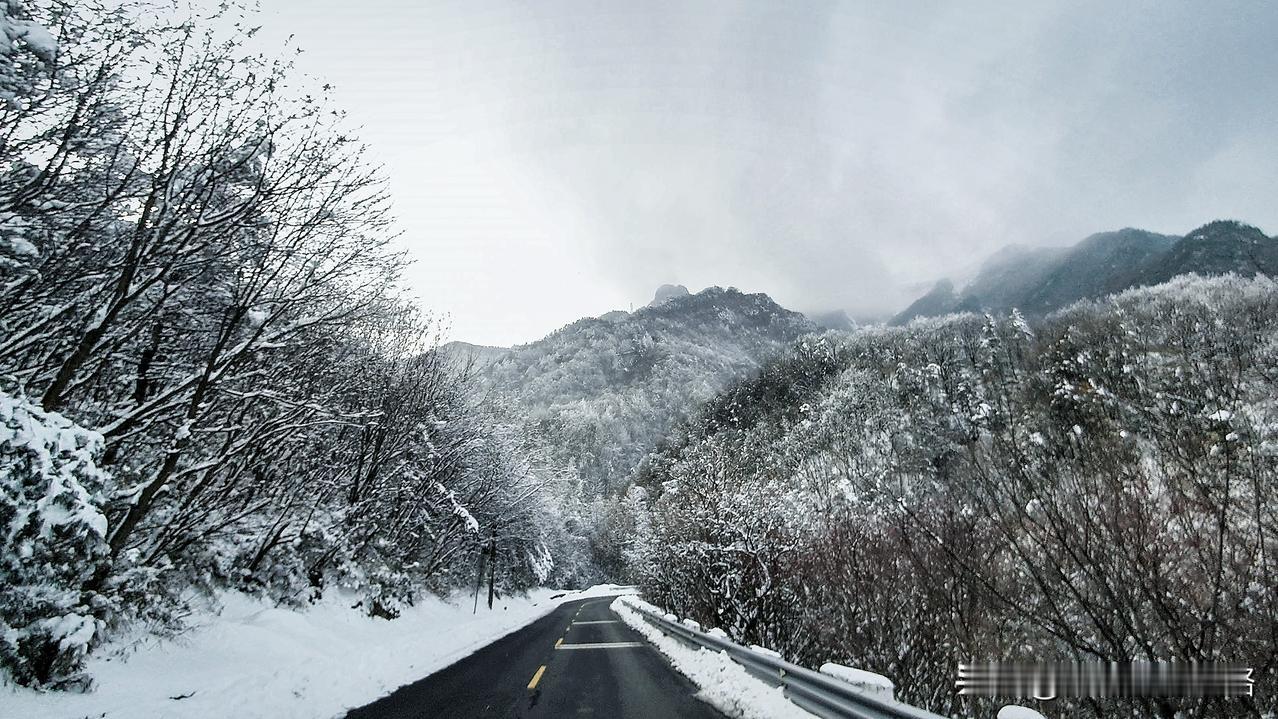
<point x="579" y="661"/>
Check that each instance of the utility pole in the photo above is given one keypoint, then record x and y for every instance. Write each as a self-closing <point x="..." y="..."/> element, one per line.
<point x="479" y="579"/>
<point x="487" y="557"/>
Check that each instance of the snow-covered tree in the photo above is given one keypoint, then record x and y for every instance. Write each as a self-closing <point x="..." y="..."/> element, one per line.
<point x="196" y="268"/>
<point x="52" y="539"/>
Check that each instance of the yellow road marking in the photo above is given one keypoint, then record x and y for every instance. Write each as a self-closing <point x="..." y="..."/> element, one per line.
<point x="537" y="677"/>
<point x="561" y="641"/>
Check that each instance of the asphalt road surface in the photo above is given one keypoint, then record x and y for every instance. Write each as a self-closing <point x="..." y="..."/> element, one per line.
<point x="579" y="661"/>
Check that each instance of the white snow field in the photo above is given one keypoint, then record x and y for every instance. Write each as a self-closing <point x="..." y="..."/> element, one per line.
<point x="251" y="659"/>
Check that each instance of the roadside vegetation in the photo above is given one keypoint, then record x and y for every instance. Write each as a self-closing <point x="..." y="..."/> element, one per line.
<point x="209" y="375"/>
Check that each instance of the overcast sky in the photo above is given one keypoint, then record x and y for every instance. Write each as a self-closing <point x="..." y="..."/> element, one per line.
<point x="552" y="160"/>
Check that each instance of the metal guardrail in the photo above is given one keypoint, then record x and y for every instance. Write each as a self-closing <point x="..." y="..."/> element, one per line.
<point x="815" y="692"/>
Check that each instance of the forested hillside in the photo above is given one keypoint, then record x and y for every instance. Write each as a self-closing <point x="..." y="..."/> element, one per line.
<point x="1100" y="485"/>
<point x="209" y="378"/>
<point x="601" y="391"/>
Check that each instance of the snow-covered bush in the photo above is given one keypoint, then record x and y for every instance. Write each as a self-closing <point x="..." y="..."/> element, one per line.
<point x="52" y="541"/>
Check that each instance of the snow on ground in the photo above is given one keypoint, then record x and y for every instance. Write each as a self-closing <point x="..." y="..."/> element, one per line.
<point x="599" y="590"/>
<point x="252" y="659"/>
<point x="724" y="684"/>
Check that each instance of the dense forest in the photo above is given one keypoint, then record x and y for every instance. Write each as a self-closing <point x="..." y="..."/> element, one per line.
<point x="1097" y="486"/>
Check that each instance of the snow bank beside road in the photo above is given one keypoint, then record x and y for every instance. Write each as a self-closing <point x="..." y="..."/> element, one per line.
<point x="255" y="660"/>
<point x="724" y="684"/>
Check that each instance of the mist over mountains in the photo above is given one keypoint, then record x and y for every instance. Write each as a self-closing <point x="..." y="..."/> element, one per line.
<point x="602" y="391"/>
<point x="1038" y="280"/>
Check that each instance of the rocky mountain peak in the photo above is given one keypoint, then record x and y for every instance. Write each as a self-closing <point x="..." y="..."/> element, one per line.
<point x="665" y="293"/>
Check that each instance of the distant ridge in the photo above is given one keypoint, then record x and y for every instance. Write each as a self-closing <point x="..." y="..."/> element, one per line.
<point x="481" y="355"/>
<point x="1215" y="249"/>
<point x="1040" y="280"/>
<point x="832" y="320"/>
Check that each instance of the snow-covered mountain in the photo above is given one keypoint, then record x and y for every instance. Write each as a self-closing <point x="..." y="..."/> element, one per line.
<point x="603" y="390"/>
<point x="1038" y="280"/>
